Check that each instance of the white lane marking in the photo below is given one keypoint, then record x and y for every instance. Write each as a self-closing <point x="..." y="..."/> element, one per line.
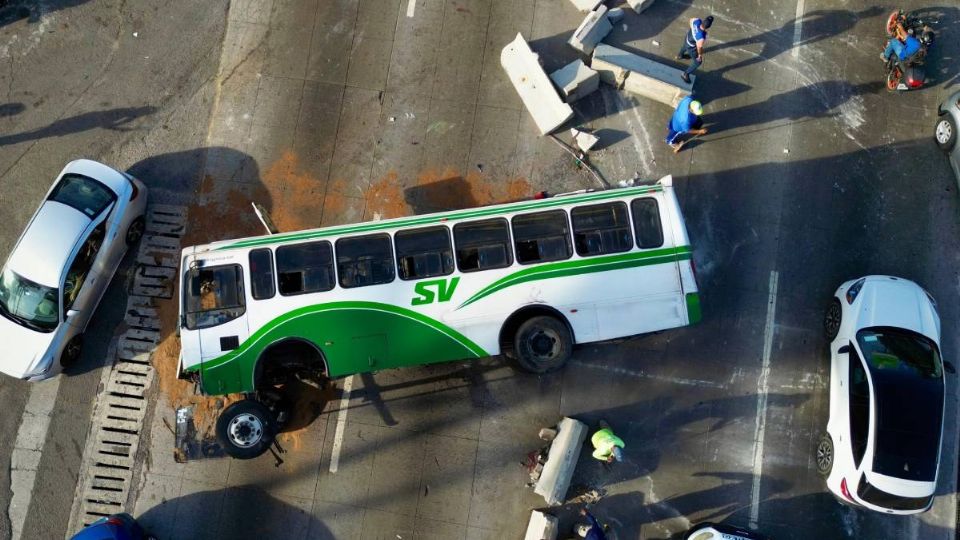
<point x="27" y="449"/>
<point x="411" y="7"/>
<point x="797" y="30"/>
<point x="644" y="375"/>
<point x="341" y="424"/>
<point x="762" y="388"/>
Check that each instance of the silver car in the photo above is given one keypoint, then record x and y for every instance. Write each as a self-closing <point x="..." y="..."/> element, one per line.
<point x="946" y="130"/>
<point x="53" y="279"/>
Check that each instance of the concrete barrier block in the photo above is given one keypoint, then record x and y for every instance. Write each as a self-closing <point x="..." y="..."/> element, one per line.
<point x="586" y="5"/>
<point x="536" y="91"/>
<point x="592" y="30"/>
<point x="614" y="66"/>
<point x="639" y="5"/>
<point x="541" y="527"/>
<point x="575" y="80"/>
<point x="648" y="87"/>
<point x="561" y="461"/>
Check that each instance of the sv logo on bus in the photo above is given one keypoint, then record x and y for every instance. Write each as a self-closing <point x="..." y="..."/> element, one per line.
<point x="426" y="295"/>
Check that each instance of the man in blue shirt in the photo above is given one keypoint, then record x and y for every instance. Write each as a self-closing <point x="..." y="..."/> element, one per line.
<point x="592" y="529"/>
<point x="685" y="120"/>
<point x="903" y="49"/>
<point x="693" y="43"/>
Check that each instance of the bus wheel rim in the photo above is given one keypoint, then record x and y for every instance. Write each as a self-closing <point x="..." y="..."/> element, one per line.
<point x="245" y="430"/>
<point x="543" y="344"/>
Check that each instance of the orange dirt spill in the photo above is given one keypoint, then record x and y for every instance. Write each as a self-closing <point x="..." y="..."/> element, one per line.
<point x="295" y="200"/>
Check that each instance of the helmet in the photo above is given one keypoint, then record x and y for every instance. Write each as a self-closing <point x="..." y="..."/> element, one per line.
<point x="696" y="107"/>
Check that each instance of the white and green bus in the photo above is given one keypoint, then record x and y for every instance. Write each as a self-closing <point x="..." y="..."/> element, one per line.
<point x="528" y="279"/>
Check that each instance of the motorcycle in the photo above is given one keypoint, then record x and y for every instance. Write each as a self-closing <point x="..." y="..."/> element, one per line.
<point x="909" y="73"/>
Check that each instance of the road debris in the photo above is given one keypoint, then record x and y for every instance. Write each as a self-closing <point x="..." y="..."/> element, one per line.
<point x="592" y="30"/>
<point x="534" y="87"/>
<point x="575" y="80"/>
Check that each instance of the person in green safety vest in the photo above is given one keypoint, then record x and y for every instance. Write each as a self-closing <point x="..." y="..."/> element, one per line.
<point x="607" y="447"/>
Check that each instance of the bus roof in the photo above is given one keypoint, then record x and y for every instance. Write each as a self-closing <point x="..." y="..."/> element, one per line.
<point x="435" y="218"/>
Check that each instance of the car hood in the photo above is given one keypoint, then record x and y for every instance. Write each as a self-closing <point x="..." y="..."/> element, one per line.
<point x="898" y="303"/>
<point x="23" y="347"/>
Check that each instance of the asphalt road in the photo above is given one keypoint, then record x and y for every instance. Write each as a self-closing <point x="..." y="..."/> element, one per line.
<point x="114" y="81"/>
<point x="812" y="174"/>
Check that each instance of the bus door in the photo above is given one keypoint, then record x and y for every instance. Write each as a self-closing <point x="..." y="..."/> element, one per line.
<point x="215" y="309"/>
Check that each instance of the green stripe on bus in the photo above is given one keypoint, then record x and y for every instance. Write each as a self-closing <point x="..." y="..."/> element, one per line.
<point x="354" y="337"/>
<point x="582" y="266"/>
<point x="440" y="218"/>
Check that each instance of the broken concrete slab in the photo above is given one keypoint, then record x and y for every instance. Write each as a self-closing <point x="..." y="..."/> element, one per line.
<point x="592" y="30"/>
<point x="584" y="141"/>
<point x="535" y="89"/>
<point x="561" y="461"/>
<point x="586" y="5"/>
<point x="541" y="527"/>
<point x="575" y="80"/>
<point x="614" y="65"/>
<point x="615" y="15"/>
<point x="639" y="5"/>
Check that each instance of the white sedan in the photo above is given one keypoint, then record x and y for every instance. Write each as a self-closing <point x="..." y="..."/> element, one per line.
<point x="61" y="265"/>
<point x="882" y="446"/>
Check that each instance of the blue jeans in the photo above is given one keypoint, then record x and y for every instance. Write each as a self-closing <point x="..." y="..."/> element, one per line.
<point x="687" y="50"/>
<point x="894" y="46"/>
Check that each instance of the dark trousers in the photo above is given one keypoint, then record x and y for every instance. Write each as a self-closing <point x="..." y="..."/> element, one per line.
<point x="686" y="51"/>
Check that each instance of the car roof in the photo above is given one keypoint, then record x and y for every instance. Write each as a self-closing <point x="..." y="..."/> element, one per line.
<point x="43" y="250"/>
<point x="897" y="302"/>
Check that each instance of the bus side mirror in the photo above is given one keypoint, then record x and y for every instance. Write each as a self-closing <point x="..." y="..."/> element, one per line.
<point x="844" y="349"/>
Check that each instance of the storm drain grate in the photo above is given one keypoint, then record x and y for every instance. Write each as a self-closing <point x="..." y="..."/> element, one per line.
<point x="119" y="416"/>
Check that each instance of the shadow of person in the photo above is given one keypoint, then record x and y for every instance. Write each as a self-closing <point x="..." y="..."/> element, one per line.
<point x="31" y="9"/>
<point x="246" y="512"/>
<point x="112" y="119"/>
<point x="818" y="100"/>
<point x="816" y="26"/>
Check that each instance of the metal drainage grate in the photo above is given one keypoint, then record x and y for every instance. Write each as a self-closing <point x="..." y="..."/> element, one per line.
<point x="118" y="420"/>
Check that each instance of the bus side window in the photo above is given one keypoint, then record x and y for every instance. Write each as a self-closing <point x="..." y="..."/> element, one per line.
<point x="482" y="245"/>
<point x="646" y="223"/>
<point x="365" y="260"/>
<point x="305" y="268"/>
<point x="423" y="253"/>
<point x="541" y="237"/>
<point x="600" y="229"/>
<point x="261" y="274"/>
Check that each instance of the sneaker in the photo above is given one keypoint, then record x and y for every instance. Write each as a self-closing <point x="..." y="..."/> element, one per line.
<point x="685" y="78"/>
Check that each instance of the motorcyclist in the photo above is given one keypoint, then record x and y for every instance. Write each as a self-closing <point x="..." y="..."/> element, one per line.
<point x="902" y="44"/>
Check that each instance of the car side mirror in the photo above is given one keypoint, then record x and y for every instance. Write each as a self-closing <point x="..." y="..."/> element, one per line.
<point x="844" y="349"/>
<point x="71" y="313"/>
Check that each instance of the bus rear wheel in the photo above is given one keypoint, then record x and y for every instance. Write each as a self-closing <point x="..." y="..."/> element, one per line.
<point x="542" y="344"/>
<point x="246" y="429"/>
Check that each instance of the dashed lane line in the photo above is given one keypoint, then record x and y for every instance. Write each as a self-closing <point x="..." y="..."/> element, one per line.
<point x="341" y="424"/>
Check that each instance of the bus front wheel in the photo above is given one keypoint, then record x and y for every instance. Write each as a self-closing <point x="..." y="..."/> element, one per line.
<point x="246" y="429"/>
<point x="542" y="344"/>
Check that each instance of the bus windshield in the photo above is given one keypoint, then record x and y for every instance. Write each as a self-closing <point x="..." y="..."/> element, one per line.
<point x="213" y="296"/>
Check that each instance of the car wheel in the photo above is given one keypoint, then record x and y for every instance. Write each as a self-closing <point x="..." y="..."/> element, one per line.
<point x="946" y="133"/>
<point x="542" y="344"/>
<point x="71" y="353"/>
<point x="831" y="321"/>
<point x="135" y="231"/>
<point x="824" y="455"/>
<point x="246" y="429"/>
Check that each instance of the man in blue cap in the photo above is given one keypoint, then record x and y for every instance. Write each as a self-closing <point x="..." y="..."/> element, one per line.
<point x="685" y="120"/>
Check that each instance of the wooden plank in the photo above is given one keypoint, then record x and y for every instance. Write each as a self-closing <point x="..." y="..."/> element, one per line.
<point x="142" y="335"/>
<point x="127" y="378"/>
<point x="159" y="272"/>
<point x="120" y="388"/>
<point x="152" y="290"/>
<point x="153" y="259"/>
<point x="134" y="367"/>
<point x="128" y="438"/>
<point x="151" y="323"/>
<point x="135" y="345"/>
<point x="168" y="209"/>
<point x="156" y="227"/>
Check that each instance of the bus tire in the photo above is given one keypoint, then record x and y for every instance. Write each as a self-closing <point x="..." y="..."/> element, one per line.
<point x="542" y="344"/>
<point x="246" y="429"/>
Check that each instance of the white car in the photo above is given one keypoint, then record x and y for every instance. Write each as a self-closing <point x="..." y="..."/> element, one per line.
<point x="61" y="266"/>
<point x="882" y="446"/>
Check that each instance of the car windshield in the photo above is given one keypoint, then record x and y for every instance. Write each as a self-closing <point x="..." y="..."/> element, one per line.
<point x="27" y="303"/>
<point x="908" y="383"/>
<point x="83" y="193"/>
